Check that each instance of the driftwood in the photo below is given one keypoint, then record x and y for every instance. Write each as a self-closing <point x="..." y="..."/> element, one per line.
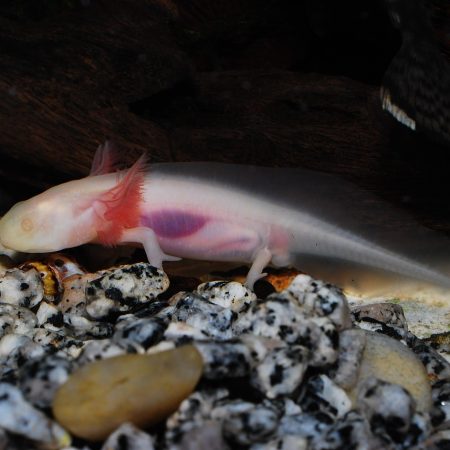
<point x="116" y="70"/>
<point x="67" y="83"/>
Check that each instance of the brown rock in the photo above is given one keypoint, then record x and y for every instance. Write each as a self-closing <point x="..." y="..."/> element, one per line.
<point x="141" y="389"/>
<point x="391" y="361"/>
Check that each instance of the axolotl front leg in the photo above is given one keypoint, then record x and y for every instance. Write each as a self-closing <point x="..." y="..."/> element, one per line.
<point x="148" y="239"/>
<point x="166" y="233"/>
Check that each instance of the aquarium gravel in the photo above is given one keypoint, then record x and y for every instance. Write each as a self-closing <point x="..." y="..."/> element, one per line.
<point x="289" y="371"/>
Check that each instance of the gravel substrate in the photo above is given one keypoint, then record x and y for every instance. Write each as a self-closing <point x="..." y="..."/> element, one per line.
<point x="295" y="370"/>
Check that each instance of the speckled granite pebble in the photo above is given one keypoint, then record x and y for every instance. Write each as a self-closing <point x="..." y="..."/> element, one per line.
<point x="441" y="403"/>
<point x="209" y="319"/>
<point x="49" y="316"/>
<point x="351" y="347"/>
<point x="281" y="371"/>
<point x="232" y="295"/>
<point x="182" y="332"/>
<point x="225" y="359"/>
<point x="351" y="431"/>
<point x="283" y="443"/>
<point x="121" y="289"/>
<point x="143" y="331"/>
<point x="96" y="350"/>
<point x="19" y="417"/>
<point x="21" y="288"/>
<point x="17" y="350"/>
<point x="207" y="437"/>
<point x="304" y="425"/>
<point x="387" y="406"/>
<point x="292" y="372"/>
<point x="438" y="441"/>
<point x="192" y="412"/>
<point x="10" y="343"/>
<point x="275" y="318"/>
<point x="128" y="437"/>
<point x="41" y="377"/>
<point x="15" y="319"/>
<point x="281" y="319"/>
<point x="83" y="328"/>
<point x="437" y="367"/>
<point x="319" y="298"/>
<point x="322" y="394"/>
<point x="57" y="340"/>
<point x="245" y="422"/>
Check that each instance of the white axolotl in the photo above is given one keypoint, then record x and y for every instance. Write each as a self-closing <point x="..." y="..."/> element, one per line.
<point x="206" y="211"/>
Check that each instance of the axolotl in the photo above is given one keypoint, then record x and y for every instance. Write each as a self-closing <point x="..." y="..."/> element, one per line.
<point x="198" y="211"/>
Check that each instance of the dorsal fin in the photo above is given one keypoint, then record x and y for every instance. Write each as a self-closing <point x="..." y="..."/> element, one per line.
<point x="119" y="207"/>
<point x="105" y="160"/>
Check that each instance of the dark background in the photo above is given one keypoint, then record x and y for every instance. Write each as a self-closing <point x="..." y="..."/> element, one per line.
<point x="268" y="82"/>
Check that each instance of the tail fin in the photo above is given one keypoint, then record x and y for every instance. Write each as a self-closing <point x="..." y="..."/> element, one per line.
<point x="369" y="254"/>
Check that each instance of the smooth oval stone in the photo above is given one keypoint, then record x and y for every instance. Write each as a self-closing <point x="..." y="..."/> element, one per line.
<point x="141" y="389"/>
<point x="389" y="360"/>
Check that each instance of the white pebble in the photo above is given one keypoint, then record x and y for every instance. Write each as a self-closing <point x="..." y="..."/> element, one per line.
<point x="19" y="417"/>
<point x="127" y="436"/>
<point x="282" y="371"/>
<point x="231" y="295"/>
<point x="15" y="319"/>
<point x="21" y="287"/>
<point x="319" y="299"/>
<point x="12" y="342"/>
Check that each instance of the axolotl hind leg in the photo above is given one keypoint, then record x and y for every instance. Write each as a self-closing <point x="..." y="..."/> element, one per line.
<point x="262" y="259"/>
<point x="280" y="257"/>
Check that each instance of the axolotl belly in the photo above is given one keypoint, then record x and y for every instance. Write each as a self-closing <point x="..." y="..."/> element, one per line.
<point x="200" y="211"/>
<point x="194" y="220"/>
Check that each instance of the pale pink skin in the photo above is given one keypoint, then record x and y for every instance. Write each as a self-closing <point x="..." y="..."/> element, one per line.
<point x="211" y="223"/>
<point x="199" y="221"/>
<point x="186" y="217"/>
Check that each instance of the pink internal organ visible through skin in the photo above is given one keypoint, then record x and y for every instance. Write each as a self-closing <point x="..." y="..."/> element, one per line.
<point x="174" y="224"/>
<point x="210" y="238"/>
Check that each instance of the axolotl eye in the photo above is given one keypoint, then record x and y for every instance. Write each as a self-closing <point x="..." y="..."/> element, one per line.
<point x="26" y="224"/>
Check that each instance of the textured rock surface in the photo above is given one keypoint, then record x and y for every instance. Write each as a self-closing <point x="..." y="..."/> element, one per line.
<point x="130" y="388"/>
<point x="21" y="288"/>
<point x="294" y="368"/>
<point x="121" y="289"/>
<point x="389" y="360"/>
<point x="19" y="417"/>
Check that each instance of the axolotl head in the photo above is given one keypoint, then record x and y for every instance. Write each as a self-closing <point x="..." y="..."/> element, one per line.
<point x="48" y="222"/>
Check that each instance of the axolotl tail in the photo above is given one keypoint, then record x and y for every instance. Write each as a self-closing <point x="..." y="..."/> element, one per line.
<point x="325" y="240"/>
<point x="324" y="216"/>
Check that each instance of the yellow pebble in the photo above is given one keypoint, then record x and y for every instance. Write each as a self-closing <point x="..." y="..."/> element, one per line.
<point x="141" y="389"/>
<point x="389" y="360"/>
<point x="48" y="277"/>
